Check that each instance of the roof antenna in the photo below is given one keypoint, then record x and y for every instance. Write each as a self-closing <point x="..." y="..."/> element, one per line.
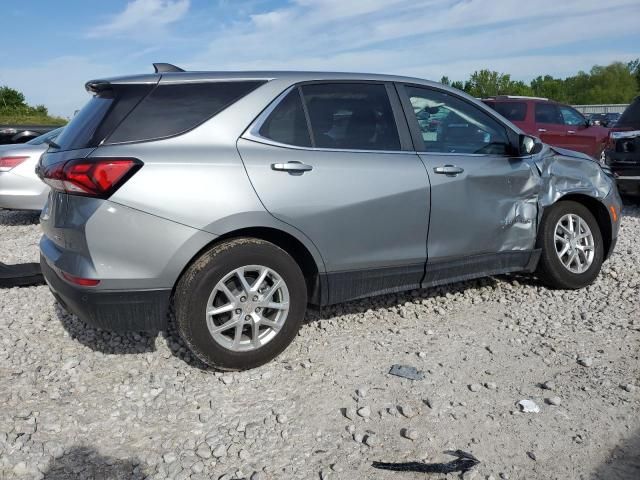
<point x="166" y="67"/>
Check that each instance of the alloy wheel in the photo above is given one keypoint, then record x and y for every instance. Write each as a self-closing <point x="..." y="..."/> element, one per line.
<point x="247" y="308"/>
<point x="574" y="242"/>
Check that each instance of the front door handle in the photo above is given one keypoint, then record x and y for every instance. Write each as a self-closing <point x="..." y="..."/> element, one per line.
<point x="542" y="129"/>
<point x="571" y="132"/>
<point x="294" y="167"/>
<point x="448" y="170"/>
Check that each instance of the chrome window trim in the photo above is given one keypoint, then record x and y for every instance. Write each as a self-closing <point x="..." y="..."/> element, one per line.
<point x="253" y="132"/>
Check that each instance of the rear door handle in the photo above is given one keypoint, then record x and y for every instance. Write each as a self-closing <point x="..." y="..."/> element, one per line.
<point x="448" y="170"/>
<point x="291" y="167"/>
<point x="542" y="129"/>
<point x="571" y="132"/>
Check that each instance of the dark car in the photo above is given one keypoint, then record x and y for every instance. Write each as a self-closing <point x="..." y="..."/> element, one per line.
<point x="22" y="133"/>
<point x="555" y="123"/>
<point x="622" y="152"/>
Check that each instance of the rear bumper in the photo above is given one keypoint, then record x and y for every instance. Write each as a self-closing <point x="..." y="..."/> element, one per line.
<point x="131" y="310"/>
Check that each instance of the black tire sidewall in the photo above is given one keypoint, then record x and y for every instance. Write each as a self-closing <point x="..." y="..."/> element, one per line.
<point x="198" y="282"/>
<point x="551" y="268"/>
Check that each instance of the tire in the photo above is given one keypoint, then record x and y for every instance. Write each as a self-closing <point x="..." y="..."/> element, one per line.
<point x="212" y="284"/>
<point x="551" y="269"/>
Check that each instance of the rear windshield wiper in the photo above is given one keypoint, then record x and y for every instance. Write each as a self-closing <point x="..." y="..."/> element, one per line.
<point x="51" y="143"/>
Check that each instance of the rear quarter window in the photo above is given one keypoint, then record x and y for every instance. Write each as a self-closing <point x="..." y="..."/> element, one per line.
<point x="173" y="109"/>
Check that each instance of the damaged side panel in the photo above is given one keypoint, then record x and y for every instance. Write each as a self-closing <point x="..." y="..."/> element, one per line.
<point x="488" y="208"/>
<point x="485" y="219"/>
<point x="563" y="172"/>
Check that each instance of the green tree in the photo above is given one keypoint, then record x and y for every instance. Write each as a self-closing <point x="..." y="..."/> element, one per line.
<point x="487" y="83"/>
<point x="634" y="67"/>
<point x="445" y="81"/>
<point x="11" y="99"/>
<point x="549" y="87"/>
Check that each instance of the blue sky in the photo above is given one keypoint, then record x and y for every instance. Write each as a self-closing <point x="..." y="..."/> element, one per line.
<point x="52" y="48"/>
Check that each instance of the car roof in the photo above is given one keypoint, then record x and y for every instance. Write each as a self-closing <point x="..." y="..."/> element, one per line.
<point x="293" y="76"/>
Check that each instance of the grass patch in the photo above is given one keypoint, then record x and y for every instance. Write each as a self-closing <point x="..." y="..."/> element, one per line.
<point x="19" y="119"/>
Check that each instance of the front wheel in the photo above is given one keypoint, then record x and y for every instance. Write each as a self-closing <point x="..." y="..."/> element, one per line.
<point x="571" y="243"/>
<point x="240" y="304"/>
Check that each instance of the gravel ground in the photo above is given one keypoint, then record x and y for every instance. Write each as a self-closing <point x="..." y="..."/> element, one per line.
<point x="83" y="403"/>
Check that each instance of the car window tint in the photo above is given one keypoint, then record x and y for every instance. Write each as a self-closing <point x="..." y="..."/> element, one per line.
<point x="571" y="117"/>
<point x="548" y="113"/>
<point x="287" y="123"/>
<point x="172" y="109"/>
<point x="351" y="116"/>
<point x="451" y="125"/>
<point x="514" y="111"/>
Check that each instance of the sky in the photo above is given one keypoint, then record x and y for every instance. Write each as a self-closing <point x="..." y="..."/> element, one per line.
<point x="50" y="49"/>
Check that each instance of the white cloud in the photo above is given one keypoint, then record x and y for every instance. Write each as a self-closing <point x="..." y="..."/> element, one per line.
<point x="143" y="18"/>
<point x="421" y="37"/>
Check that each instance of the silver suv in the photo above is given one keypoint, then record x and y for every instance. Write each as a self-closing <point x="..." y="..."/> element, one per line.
<point x="242" y="197"/>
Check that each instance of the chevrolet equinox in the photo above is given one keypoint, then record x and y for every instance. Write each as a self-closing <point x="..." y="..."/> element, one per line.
<point x="238" y="198"/>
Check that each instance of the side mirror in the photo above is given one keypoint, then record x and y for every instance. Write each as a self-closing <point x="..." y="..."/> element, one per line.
<point x="529" y="145"/>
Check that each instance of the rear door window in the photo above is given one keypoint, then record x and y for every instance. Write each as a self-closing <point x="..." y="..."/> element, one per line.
<point x="287" y="123"/>
<point x="514" y="111"/>
<point x="548" y="113"/>
<point x="351" y="116"/>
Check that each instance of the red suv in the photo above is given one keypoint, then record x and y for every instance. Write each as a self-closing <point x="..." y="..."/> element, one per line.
<point x="555" y="123"/>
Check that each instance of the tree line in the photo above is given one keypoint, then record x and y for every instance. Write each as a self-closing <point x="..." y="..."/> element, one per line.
<point x="15" y="110"/>
<point x="615" y="83"/>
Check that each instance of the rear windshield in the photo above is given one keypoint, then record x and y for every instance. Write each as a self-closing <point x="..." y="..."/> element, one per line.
<point x="131" y="113"/>
<point x="514" y="111"/>
<point x="631" y="116"/>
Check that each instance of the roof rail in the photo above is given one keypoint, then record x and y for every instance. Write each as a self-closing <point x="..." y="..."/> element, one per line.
<point x="525" y="97"/>
<point x="166" y="68"/>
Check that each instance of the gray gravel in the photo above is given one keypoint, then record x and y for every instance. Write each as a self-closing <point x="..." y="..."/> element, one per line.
<point x="84" y="403"/>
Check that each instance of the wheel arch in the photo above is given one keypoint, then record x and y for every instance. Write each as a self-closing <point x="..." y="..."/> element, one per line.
<point x="308" y="260"/>
<point x="599" y="211"/>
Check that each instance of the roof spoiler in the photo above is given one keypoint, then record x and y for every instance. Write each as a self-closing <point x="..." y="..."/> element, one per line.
<point x="166" y="68"/>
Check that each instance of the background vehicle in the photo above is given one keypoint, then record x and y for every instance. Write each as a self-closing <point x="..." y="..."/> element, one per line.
<point x="20" y="187"/>
<point x="10" y="134"/>
<point x="604" y="119"/>
<point x="245" y="196"/>
<point x="556" y="124"/>
<point x="622" y="153"/>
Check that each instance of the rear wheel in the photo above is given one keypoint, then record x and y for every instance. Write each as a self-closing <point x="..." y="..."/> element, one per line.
<point x="240" y="304"/>
<point x="572" y="247"/>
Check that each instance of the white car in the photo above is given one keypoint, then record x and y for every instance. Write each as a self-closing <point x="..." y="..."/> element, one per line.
<point x="20" y="187"/>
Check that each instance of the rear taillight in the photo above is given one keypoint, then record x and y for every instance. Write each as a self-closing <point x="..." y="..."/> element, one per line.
<point x="7" y="163"/>
<point x="94" y="177"/>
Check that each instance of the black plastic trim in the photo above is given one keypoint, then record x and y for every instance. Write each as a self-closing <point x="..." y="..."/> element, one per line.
<point x="121" y="311"/>
<point x="352" y="285"/>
